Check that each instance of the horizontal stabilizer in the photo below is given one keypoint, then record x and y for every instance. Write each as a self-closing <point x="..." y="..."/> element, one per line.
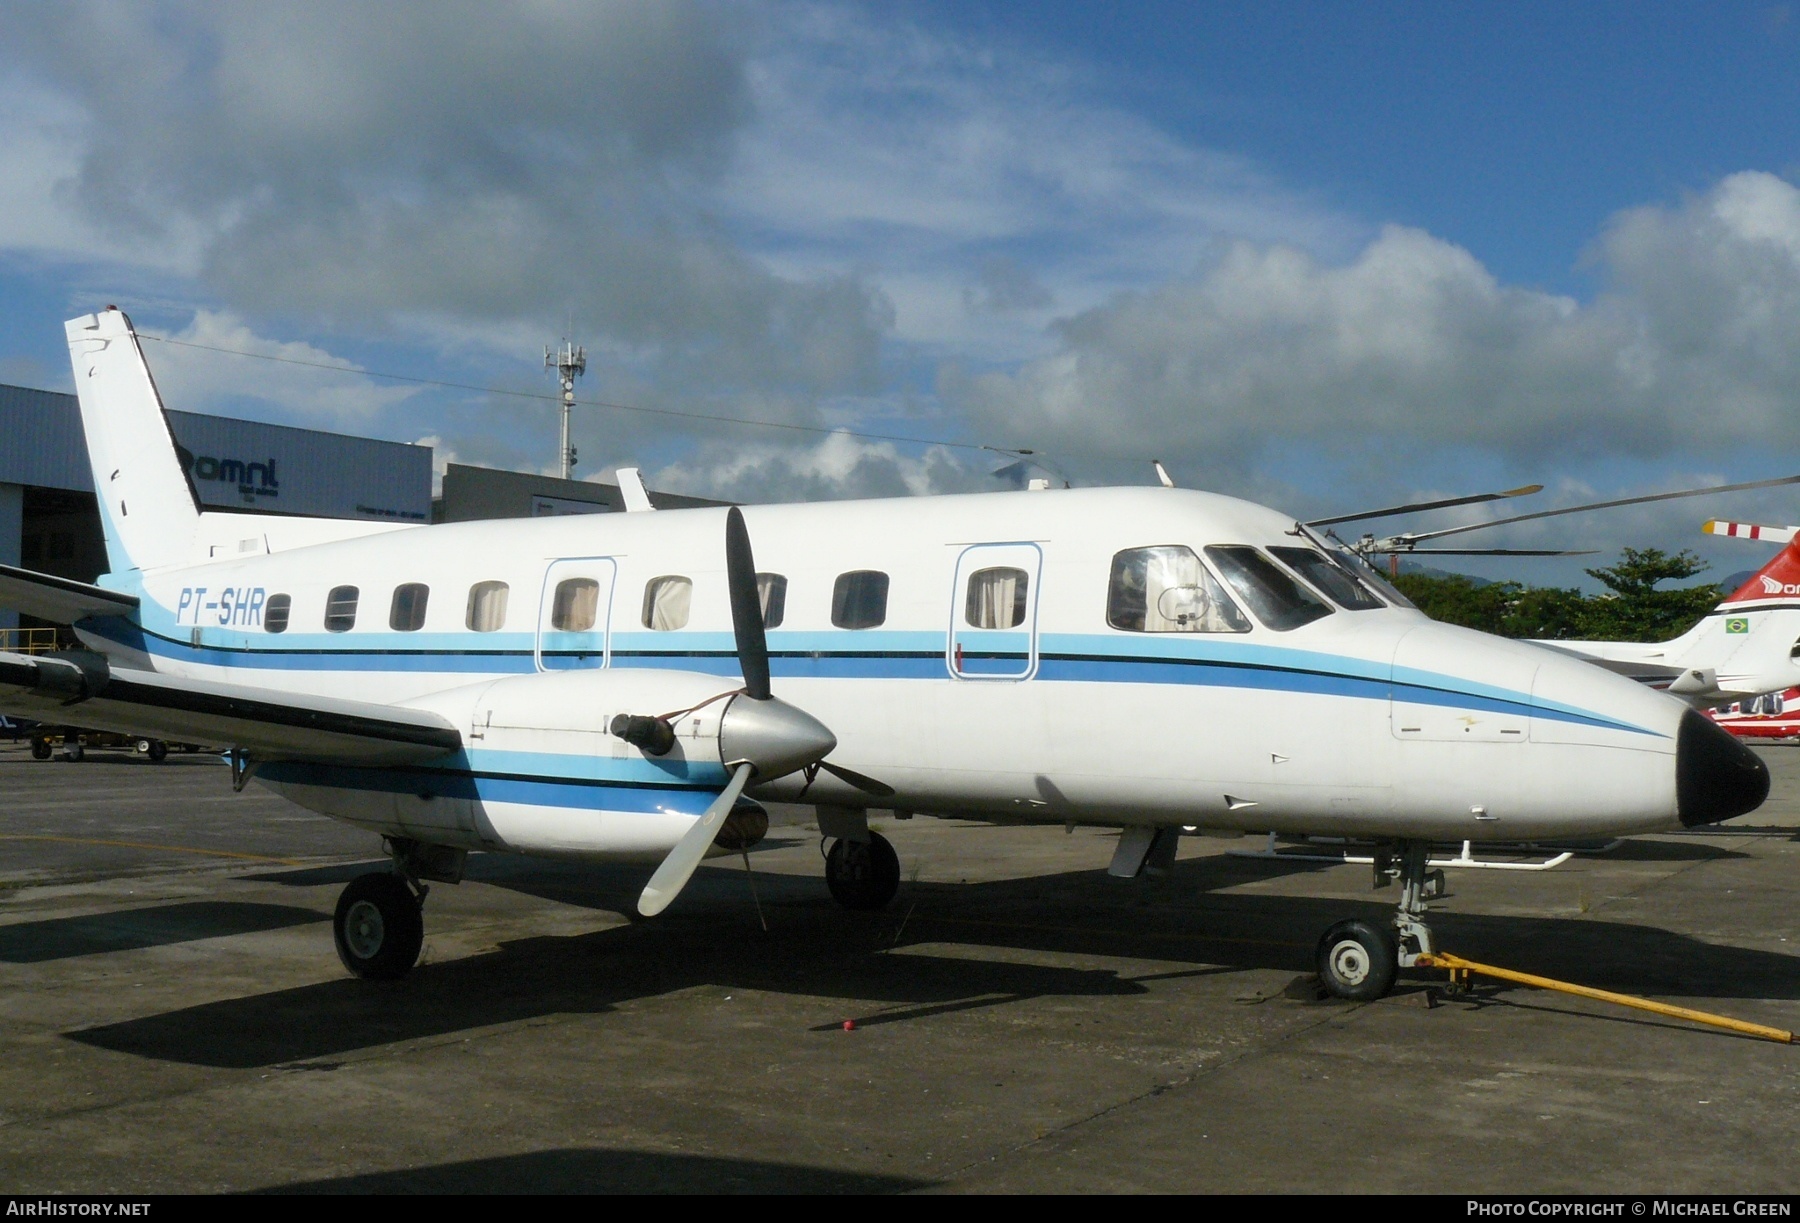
<point x="59" y="600"/>
<point x="80" y="689"/>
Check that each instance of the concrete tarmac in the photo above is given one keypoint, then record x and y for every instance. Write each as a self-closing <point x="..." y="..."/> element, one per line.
<point x="175" y="1019"/>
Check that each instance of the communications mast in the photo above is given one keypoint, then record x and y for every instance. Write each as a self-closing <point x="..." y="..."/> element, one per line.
<point x="569" y="362"/>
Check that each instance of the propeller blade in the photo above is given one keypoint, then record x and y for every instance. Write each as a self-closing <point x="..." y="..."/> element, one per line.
<point x="1417" y="506"/>
<point x="1607" y="505"/>
<point x="746" y="607"/>
<point x="676" y="869"/>
<point x="863" y="782"/>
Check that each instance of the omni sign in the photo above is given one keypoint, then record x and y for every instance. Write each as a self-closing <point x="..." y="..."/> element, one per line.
<point x="251" y="479"/>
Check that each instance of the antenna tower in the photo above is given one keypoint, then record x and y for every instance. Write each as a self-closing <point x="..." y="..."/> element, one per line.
<point x="570" y="363"/>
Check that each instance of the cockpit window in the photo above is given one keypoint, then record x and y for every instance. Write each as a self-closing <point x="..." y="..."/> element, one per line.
<point x="1371" y="576"/>
<point x="1339" y="584"/>
<point x="1274" y="598"/>
<point x="1167" y="590"/>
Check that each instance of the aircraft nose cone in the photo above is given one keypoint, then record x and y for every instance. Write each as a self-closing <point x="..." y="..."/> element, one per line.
<point x="1716" y="776"/>
<point x="772" y="735"/>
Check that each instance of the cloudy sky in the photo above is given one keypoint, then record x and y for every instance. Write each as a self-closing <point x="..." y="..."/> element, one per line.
<point x="1324" y="256"/>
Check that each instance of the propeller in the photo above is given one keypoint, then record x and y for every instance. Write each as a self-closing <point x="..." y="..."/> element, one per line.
<point x="759" y="736"/>
<point x="1417" y="506"/>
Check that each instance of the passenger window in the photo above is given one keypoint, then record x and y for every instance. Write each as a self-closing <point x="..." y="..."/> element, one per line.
<point x="1167" y="590"/>
<point x="275" y="613"/>
<point x="487" y="607"/>
<point x="575" y="605"/>
<point x="407" y="613"/>
<point x="666" y="603"/>
<point x="859" y="599"/>
<point x="340" y="609"/>
<point x="1275" y="598"/>
<point x="771" y="593"/>
<point x="996" y="598"/>
<point x="1339" y="584"/>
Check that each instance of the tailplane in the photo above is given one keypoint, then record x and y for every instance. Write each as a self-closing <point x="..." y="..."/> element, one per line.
<point x="148" y="507"/>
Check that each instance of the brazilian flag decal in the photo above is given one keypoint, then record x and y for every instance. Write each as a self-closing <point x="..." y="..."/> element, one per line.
<point x="1738" y="624"/>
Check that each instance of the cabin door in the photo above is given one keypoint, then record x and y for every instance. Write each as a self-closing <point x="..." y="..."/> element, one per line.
<point x="574" y="614"/>
<point x="993" y="612"/>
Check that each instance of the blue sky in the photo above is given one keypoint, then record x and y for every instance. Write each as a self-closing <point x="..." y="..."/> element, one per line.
<point x="1318" y="255"/>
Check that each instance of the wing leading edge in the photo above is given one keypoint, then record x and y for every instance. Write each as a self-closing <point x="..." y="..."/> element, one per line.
<point x="59" y="600"/>
<point x="82" y="690"/>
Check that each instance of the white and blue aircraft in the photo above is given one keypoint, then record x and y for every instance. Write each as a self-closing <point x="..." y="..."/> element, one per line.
<point x="604" y="687"/>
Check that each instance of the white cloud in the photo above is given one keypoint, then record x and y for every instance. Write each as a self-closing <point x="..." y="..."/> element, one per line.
<point x="201" y="370"/>
<point x="838" y="466"/>
<point x="1693" y="346"/>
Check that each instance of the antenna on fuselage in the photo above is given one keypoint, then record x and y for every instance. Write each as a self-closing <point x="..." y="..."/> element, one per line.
<point x="570" y="363"/>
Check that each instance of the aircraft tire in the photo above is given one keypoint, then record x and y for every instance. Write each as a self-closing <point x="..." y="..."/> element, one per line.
<point x="158" y="751"/>
<point x="1358" y="961"/>
<point x="378" y="927"/>
<point x="40" y="749"/>
<point x="862" y="876"/>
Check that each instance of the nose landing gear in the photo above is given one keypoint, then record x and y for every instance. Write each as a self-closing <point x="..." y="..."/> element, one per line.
<point x="1358" y="960"/>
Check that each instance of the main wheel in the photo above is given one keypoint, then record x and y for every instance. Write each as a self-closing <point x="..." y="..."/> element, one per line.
<point x="158" y="751"/>
<point x="1358" y="960"/>
<point x="378" y="927"/>
<point x="40" y="749"/>
<point x="862" y="874"/>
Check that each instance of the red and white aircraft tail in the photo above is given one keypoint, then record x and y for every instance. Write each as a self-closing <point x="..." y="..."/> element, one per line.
<point x="1743" y="647"/>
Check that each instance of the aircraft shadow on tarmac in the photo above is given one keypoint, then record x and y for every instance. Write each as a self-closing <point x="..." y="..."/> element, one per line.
<point x="815" y="950"/>
<point x="566" y="1170"/>
<point x="37" y="942"/>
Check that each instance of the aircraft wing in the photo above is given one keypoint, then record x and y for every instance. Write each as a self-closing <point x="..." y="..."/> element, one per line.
<point x="59" y="600"/>
<point x="82" y="690"/>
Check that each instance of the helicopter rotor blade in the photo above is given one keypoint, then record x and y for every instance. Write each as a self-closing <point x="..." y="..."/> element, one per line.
<point x="1380" y="551"/>
<point x="1417" y="506"/>
<point x="1604" y="505"/>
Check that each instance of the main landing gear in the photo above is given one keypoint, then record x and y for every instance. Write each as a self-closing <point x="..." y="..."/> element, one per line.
<point x="379" y="926"/>
<point x="1357" y="959"/>
<point x="862" y="874"/>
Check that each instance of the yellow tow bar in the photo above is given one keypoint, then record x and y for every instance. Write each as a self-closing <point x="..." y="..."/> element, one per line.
<point x="1460" y="970"/>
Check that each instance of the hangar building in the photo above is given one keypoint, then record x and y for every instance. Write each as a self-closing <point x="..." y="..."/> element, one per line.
<point x="49" y="520"/>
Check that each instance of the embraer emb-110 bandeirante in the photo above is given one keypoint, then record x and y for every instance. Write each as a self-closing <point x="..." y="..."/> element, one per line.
<point x="606" y="687"/>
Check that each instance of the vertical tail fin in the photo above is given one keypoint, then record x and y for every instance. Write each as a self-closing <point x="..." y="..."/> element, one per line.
<point x="147" y="503"/>
<point x="1779" y="579"/>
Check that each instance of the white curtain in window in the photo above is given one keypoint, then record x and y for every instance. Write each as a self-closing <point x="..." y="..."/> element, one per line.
<point x="669" y="600"/>
<point x="487" y="606"/>
<point x="576" y="606"/>
<point x="994" y="598"/>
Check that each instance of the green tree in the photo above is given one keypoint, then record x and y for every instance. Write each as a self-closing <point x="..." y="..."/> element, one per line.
<point x="1635" y="609"/>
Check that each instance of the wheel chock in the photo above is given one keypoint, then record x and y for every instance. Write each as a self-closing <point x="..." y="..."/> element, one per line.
<point x="1461" y="970"/>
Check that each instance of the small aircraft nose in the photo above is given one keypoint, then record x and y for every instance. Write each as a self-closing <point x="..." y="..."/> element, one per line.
<point x="1716" y="776"/>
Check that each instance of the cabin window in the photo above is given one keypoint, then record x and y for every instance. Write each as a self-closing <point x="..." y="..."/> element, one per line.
<point x="666" y="603"/>
<point x="340" y="609"/>
<point x="1166" y="589"/>
<point x="996" y="598"/>
<point x="275" y="613"/>
<point x="771" y="594"/>
<point x="487" y="607"/>
<point x="1339" y="584"/>
<point x="407" y="612"/>
<point x="1274" y="597"/>
<point x="859" y="599"/>
<point x="575" y="605"/>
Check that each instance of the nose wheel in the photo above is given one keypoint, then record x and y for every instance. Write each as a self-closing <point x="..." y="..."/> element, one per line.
<point x="1358" y="960"/>
<point x="862" y="875"/>
<point x="379" y="927"/>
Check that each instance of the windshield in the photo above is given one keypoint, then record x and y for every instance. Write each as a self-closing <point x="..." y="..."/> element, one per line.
<point x="1339" y="584"/>
<point x="1274" y="597"/>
